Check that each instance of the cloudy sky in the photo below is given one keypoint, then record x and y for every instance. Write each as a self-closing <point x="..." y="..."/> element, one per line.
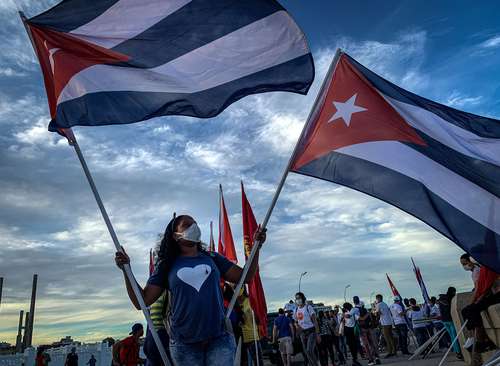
<point x="49" y="222"/>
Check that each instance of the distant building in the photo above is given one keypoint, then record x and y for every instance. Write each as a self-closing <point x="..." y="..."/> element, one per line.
<point x="66" y="341"/>
<point x="6" y="348"/>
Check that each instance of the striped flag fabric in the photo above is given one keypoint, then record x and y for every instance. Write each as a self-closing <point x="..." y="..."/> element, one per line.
<point x="420" y="282"/>
<point x="123" y="61"/>
<point x="225" y="245"/>
<point x="394" y="290"/>
<point x="255" y="288"/>
<point x="437" y="163"/>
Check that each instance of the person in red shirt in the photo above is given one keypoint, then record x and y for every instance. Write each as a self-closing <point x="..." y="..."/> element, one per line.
<point x="126" y="352"/>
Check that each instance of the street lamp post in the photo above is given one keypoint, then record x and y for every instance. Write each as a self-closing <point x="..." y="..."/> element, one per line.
<point x="345" y="290"/>
<point x="300" y="279"/>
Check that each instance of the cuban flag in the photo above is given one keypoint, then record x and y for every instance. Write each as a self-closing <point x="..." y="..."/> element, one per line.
<point x="437" y="163"/>
<point x="123" y="61"/>
<point x="421" y="284"/>
<point x="225" y="244"/>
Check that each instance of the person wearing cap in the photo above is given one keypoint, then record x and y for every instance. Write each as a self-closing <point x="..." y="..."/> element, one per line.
<point x="398" y="316"/>
<point x="199" y="334"/>
<point x="126" y="351"/>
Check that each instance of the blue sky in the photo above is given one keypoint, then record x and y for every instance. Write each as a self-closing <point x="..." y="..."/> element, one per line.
<point x="447" y="51"/>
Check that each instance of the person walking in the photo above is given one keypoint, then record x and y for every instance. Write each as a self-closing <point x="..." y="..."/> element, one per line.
<point x="307" y="328"/>
<point x="336" y="336"/>
<point x="417" y="316"/>
<point x="399" y="317"/>
<point x="351" y="315"/>
<point x="192" y="277"/>
<point x="72" y="358"/>
<point x="383" y="311"/>
<point x="283" y="334"/>
<point x="325" y="347"/>
<point x="251" y="350"/>
<point x="126" y="351"/>
<point x="445" y="309"/>
<point x="366" y="323"/>
<point x="437" y="323"/>
<point x="92" y="361"/>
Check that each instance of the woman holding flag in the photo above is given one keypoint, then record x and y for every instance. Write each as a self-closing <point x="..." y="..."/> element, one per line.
<point x="192" y="277"/>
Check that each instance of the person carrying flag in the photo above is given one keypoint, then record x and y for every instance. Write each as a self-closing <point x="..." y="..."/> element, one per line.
<point x="192" y="277"/>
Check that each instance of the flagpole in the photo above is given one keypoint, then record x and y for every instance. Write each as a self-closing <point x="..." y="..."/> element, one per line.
<point x="255" y="336"/>
<point x="321" y="95"/>
<point x="126" y="267"/>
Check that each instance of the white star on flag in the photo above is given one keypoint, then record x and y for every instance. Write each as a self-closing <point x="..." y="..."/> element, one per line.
<point x="346" y="110"/>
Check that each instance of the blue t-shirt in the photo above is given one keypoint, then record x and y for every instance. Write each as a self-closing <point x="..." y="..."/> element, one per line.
<point x="283" y="322"/>
<point x="196" y="304"/>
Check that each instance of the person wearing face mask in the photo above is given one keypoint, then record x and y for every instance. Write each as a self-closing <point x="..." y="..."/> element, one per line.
<point x="471" y="266"/>
<point x="307" y="328"/>
<point x="192" y="277"/>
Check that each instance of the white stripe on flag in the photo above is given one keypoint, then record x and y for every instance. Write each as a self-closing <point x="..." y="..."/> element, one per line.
<point x="126" y="19"/>
<point x="265" y="43"/>
<point x="448" y="134"/>
<point x="464" y="195"/>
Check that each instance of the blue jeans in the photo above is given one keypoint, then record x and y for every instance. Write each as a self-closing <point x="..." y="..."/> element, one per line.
<point x="219" y="351"/>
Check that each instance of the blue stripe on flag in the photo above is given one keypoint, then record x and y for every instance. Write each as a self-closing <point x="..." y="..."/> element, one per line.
<point x="412" y="197"/>
<point x="71" y="14"/>
<point x="481" y="126"/>
<point x="107" y="108"/>
<point x="194" y="25"/>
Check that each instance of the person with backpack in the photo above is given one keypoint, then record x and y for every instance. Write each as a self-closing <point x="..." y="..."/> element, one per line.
<point x="192" y="276"/>
<point x="283" y="334"/>
<point x="126" y="351"/>
<point x="307" y="328"/>
<point x="366" y="324"/>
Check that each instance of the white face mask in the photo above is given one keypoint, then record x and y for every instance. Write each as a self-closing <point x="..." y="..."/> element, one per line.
<point x="192" y="233"/>
<point x="468" y="267"/>
<point x="299" y="301"/>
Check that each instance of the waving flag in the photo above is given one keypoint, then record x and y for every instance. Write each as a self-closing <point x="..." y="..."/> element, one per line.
<point x="255" y="289"/>
<point x="226" y="242"/>
<point x="394" y="290"/>
<point x="420" y="281"/>
<point x="211" y="244"/>
<point x="123" y="61"/>
<point x="437" y="163"/>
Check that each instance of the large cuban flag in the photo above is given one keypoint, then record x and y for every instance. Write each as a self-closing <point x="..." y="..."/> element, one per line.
<point x="437" y="163"/>
<point x="123" y="61"/>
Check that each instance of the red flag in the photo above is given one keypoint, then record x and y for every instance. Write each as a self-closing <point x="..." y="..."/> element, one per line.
<point x="211" y="244"/>
<point x="151" y="262"/>
<point x="255" y="289"/>
<point x="394" y="290"/>
<point x="226" y="242"/>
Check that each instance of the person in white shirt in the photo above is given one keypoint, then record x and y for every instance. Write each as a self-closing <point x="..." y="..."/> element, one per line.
<point x="307" y="328"/>
<point x="437" y="323"/>
<point x="398" y="316"/>
<point x="417" y="316"/>
<point x="470" y="265"/>
<point x="383" y="311"/>
<point x="290" y="307"/>
<point x="351" y="315"/>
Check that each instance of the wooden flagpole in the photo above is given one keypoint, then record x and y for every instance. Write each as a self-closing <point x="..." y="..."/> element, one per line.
<point x="313" y="113"/>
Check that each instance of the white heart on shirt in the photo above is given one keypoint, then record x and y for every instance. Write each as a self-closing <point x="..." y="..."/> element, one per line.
<point x="195" y="276"/>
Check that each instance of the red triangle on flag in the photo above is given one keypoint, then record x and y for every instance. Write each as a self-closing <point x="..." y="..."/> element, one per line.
<point x="353" y="112"/>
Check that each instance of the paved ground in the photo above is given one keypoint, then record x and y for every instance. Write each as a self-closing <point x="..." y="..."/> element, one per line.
<point x="433" y="360"/>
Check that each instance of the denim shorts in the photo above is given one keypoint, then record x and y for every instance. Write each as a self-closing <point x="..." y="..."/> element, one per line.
<point x="218" y="351"/>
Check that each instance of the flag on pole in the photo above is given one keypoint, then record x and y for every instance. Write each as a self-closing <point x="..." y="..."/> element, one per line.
<point x="420" y="281"/>
<point x="211" y="244"/>
<point x="124" y="61"/>
<point x="437" y="163"/>
<point x="226" y="242"/>
<point x="151" y="262"/>
<point x="394" y="290"/>
<point x="255" y="288"/>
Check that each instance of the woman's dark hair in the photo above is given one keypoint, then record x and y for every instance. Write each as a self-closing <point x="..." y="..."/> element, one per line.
<point x="347" y="306"/>
<point x="301" y="295"/>
<point x="465" y="256"/>
<point x="321" y="314"/>
<point x="169" y="247"/>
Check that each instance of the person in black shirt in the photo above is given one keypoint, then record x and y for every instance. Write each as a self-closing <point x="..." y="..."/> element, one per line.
<point x="72" y="358"/>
